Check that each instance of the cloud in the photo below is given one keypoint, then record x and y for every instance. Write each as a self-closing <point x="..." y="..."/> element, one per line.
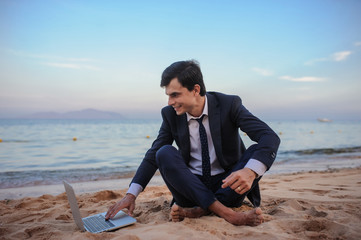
<point x="72" y="66"/>
<point x="335" y="57"/>
<point x="80" y="59"/>
<point x="53" y="61"/>
<point x="263" y="72"/>
<point x="340" y="56"/>
<point x="302" y="79"/>
<point x="311" y="62"/>
<point x="357" y="44"/>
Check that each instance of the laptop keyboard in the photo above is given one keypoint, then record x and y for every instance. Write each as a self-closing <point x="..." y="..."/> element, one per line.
<point x="97" y="223"/>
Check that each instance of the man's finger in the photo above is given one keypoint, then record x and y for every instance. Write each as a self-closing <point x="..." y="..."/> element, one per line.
<point x="228" y="181"/>
<point x="110" y="210"/>
<point x="130" y="210"/>
<point x="241" y="189"/>
<point x="113" y="210"/>
<point x="226" y="184"/>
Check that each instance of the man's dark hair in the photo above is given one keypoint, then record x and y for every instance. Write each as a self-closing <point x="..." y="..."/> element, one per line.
<point x="188" y="74"/>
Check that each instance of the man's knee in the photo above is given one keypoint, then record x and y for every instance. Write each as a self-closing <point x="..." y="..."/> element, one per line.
<point x="164" y="153"/>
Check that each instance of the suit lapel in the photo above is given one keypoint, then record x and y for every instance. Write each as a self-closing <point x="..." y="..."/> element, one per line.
<point x="183" y="131"/>
<point x="215" y="124"/>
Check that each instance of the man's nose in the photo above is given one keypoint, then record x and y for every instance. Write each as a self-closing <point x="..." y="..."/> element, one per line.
<point x="170" y="101"/>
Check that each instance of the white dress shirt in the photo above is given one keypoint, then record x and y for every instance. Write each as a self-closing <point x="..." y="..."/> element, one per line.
<point x="195" y="163"/>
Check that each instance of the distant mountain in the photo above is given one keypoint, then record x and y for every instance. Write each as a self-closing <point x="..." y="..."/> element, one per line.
<point x="82" y="114"/>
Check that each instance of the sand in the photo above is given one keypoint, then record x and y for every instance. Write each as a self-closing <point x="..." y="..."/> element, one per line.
<point x="312" y="205"/>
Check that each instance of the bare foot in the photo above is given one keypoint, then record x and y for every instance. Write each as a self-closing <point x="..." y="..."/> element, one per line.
<point x="178" y="213"/>
<point x="252" y="217"/>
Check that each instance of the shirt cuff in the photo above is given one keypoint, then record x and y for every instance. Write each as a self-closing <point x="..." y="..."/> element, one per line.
<point x="256" y="166"/>
<point x="135" y="189"/>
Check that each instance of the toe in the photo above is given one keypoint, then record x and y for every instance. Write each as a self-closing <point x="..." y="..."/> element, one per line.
<point x="258" y="211"/>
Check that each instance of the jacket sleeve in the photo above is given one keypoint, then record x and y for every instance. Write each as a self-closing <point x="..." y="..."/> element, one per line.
<point x="258" y="131"/>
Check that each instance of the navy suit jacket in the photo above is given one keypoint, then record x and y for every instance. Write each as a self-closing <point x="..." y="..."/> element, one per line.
<point x="226" y="116"/>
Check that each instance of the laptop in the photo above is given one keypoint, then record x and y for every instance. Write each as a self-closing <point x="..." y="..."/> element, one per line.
<point x="95" y="223"/>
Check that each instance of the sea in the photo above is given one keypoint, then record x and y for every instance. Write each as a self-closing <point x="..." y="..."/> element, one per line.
<point x="44" y="152"/>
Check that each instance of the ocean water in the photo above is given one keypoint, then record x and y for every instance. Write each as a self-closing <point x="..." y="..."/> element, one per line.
<point x="35" y="152"/>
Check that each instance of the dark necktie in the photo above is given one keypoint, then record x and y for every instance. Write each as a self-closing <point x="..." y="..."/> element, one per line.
<point x="206" y="165"/>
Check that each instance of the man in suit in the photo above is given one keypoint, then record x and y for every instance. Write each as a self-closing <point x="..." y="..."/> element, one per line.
<point x="211" y="171"/>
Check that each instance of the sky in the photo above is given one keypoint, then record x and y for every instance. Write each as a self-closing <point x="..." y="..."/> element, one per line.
<point x="290" y="60"/>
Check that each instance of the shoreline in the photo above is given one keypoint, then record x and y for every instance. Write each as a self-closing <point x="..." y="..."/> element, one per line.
<point x="121" y="183"/>
<point x="79" y="187"/>
<point x="23" y="179"/>
<point x="307" y="205"/>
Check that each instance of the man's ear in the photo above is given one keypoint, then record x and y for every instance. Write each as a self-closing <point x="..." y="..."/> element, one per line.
<point x="197" y="89"/>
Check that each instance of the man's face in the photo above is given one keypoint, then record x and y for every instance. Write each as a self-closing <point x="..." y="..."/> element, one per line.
<point x="180" y="98"/>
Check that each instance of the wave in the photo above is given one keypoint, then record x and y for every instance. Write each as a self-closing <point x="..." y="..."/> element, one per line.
<point x="328" y="151"/>
<point x="11" y="179"/>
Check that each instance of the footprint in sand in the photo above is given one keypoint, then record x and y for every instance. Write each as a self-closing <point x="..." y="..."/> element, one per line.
<point x="287" y="208"/>
<point x="313" y="212"/>
<point x="315" y="191"/>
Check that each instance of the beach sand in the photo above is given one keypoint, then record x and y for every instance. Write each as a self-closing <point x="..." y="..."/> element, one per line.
<point x="312" y="205"/>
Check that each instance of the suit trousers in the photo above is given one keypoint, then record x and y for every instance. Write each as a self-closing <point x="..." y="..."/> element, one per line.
<point x="188" y="189"/>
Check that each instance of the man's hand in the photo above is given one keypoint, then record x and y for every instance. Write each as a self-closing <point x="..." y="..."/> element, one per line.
<point x="240" y="181"/>
<point x="127" y="202"/>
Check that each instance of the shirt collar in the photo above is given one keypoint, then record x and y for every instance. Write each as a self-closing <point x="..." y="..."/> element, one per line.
<point x="205" y="111"/>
